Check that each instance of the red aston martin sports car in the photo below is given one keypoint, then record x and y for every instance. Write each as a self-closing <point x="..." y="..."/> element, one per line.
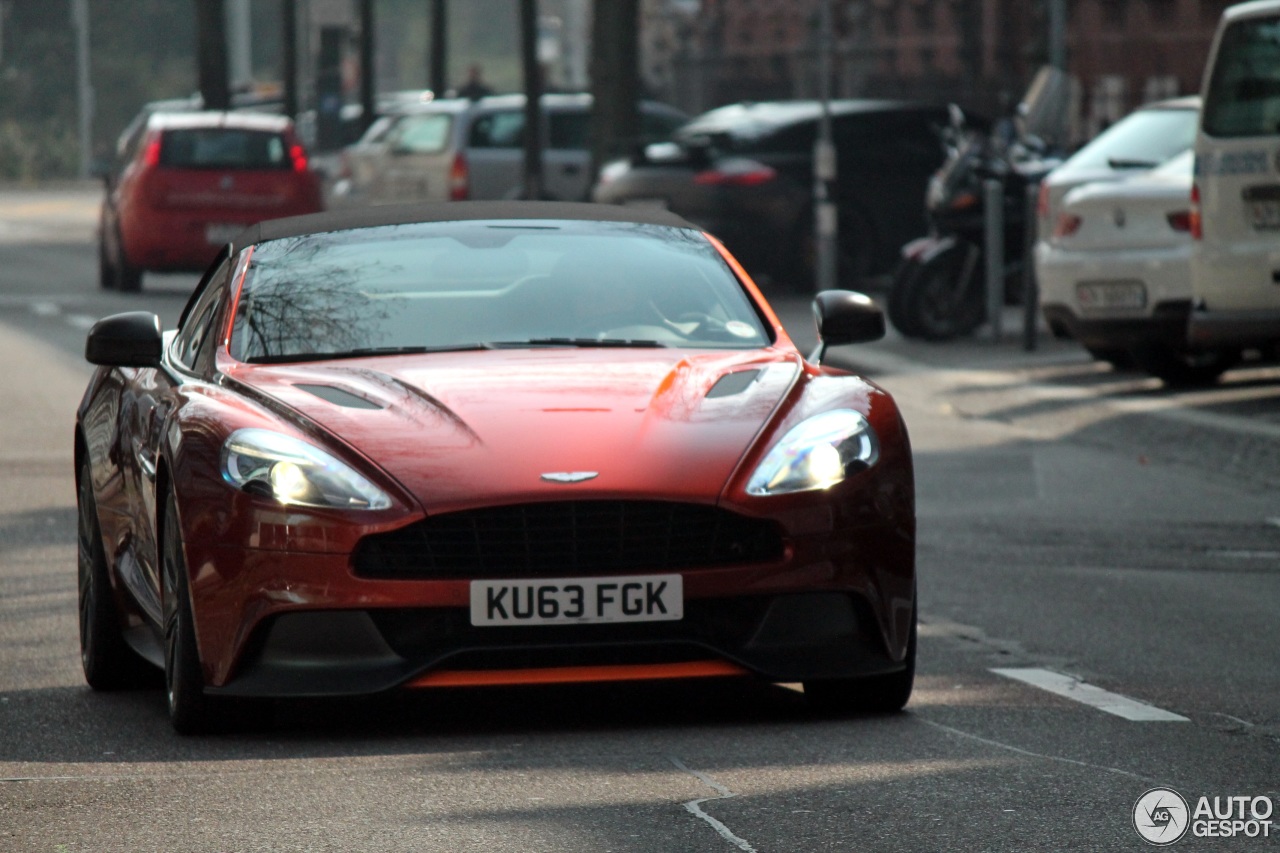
<point x="488" y="443"/>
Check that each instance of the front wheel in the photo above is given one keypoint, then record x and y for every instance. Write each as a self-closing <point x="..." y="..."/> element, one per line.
<point x="943" y="297"/>
<point x="108" y="662"/>
<point x="877" y="694"/>
<point x="190" y="710"/>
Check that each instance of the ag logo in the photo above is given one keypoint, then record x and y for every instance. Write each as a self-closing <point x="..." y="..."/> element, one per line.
<point x="1161" y="816"/>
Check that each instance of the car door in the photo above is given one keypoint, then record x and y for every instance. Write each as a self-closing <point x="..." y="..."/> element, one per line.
<point x="495" y="153"/>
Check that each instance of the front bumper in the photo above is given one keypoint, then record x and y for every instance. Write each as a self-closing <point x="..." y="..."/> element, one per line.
<point x="348" y="652"/>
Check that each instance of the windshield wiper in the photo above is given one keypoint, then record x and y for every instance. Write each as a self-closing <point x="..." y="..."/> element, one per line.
<point x="582" y="342"/>
<point x="360" y="352"/>
<point x="1121" y="163"/>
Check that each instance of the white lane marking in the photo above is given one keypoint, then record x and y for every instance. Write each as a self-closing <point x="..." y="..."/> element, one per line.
<point x="45" y="309"/>
<point x="1103" y="700"/>
<point x="81" y="321"/>
<point x="694" y="807"/>
<point x="1247" y="555"/>
<point x="1030" y="754"/>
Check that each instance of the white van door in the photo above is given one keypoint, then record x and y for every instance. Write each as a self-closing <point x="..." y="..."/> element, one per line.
<point x="1236" y="262"/>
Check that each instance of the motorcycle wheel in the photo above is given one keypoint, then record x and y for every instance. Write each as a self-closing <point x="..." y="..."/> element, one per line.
<point x="944" y="297"/>
<point x="898" y="304"/>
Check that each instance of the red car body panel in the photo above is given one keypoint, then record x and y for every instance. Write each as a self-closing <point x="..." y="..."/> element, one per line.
<point x="447" y="432"/>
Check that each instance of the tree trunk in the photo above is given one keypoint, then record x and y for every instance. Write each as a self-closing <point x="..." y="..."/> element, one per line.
<point x="615" y="80"/>
<point x="211" y="51"/>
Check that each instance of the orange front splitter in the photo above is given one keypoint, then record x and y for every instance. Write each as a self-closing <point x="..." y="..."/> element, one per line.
<point x="577" y="674"/>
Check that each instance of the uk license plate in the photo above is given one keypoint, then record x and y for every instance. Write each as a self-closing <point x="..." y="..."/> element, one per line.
<point x="1111" y="295"/>
<point x="1264" y="214"/>
<point x="219" y="233"/>
<point x="571" y="601"/>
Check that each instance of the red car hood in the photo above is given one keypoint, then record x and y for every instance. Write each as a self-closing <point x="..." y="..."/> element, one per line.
<point x="475" y="428"/>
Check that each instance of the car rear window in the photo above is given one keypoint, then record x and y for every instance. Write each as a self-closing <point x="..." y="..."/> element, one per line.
<point x="1145" y="137"/>
<point x="423" y="134"/>
<point x="1244" y="91"/>
<point x="224" y="148"/>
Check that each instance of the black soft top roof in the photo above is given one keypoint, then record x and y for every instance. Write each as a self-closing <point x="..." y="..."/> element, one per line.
<point x="452" y="211"/>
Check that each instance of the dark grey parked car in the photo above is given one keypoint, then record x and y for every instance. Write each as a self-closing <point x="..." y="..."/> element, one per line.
<point x="745" y="173"/>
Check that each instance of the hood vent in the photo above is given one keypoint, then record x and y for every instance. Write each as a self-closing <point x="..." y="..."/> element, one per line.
<point x="733" y="383"/>
<point x="339" y="397"/>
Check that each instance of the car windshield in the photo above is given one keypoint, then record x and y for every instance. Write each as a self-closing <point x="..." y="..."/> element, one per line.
<point x="1244" y="94"/>
<point x="1142" y="139"/>
<point x="482" y="284"/>
<point x="223" y="148"/>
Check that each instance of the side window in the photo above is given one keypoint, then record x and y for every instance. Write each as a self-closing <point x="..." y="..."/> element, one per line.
<point x="197" y="326"/>
<point x="498" y="130"/>
<point x="424" y="134"/>
<point x="656" y="127"/>
<point x="571" y="130"/>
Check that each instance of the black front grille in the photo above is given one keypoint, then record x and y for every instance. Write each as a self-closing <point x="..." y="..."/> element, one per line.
<point x="569" y="538"/>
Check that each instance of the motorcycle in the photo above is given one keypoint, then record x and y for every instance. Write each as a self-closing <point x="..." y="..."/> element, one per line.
<point x="939" y="289"/>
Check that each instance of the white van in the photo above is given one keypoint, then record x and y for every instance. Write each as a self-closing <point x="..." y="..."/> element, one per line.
<point x="1235" y="260"/>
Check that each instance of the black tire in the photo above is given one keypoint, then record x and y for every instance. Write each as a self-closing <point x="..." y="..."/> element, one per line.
<point x="128" y="278"/>
<point x="108" y="662"/>
<point x="944" y="298"/>
<point x="106" y="272"/>
<point x="1181" y="369"/>
<point x="190" y="710"/>
<point x="1118" y="357"/>
<point x="877" y="694"/>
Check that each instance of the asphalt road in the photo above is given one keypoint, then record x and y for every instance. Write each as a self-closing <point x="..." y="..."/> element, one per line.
<point x="1073" y="522"/>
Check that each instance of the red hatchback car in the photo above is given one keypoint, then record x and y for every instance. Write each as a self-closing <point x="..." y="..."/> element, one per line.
<point x="487" y="443"/>
<point x="190" y="181"/>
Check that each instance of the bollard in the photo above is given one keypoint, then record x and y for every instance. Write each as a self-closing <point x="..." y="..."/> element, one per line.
<point x="1030" y="287"/>
<point x="993" y="209"/>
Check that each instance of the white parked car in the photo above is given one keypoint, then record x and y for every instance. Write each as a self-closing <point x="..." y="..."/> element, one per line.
<point x="456" y="149"/>
<point x="1114" y="273"/>
<point x="1140" y="141"/>
<point x="1235" y="261"/>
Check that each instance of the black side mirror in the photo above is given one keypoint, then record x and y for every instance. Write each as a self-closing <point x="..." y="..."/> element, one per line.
<point x="845" y="317"/>
<point x="132" y="339"/>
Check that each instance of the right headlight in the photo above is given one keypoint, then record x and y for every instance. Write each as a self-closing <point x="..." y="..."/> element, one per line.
<point x="295" y="473"/>
<point x="817" y="453"/>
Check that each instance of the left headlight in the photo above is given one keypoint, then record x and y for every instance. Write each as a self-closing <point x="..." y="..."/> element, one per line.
<point x="295" y="473"/>
<point x="816" y="454"/>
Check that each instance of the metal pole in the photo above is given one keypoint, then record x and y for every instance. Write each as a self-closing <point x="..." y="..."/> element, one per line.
<point x="439" y="40"/>
<point x="84" y="88"/>
<point x="289" y="71"/>
<point x="533" y="99"/>
<point x="1030" y="287"/>
<point x="368" y="89"/>
<point x="1058" y="34"/>
<point x="239" y="45"/>
<point x="993" y="209"/>
<point x="824" y="163"/>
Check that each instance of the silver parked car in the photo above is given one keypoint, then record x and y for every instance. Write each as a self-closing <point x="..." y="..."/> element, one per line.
<point x="456" y="149"/>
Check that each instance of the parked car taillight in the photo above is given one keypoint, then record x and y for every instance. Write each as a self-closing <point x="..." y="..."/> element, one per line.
<point x="151" y="158"/>
<point x="1179" y="220"/>
<point x="736" y="173"/>
<point x="1194" y="223"/>
<point x="459" y="179"/>
<point x="1067" y="224"/>
<point x="299" y="156"/>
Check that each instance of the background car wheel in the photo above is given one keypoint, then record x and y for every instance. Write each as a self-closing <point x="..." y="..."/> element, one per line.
<point x="106" y="272"/>
<point x="1117" y="357"/>
<point x="109" y="663"/>
<point x="878" y="694"/>
<point x="1183" y="369"/>
<point x="128" y="278"/>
